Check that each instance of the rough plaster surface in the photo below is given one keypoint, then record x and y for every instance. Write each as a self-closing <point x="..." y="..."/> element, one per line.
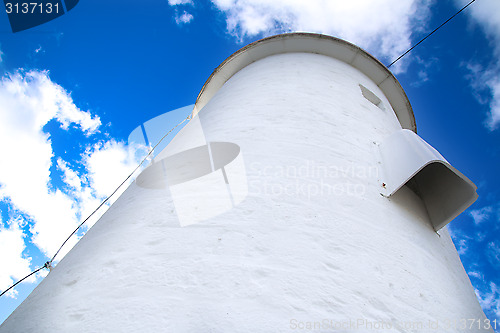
<point x="312" y="242"/>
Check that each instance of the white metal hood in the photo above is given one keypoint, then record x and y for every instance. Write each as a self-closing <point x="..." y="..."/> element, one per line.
<point x="408" y="160"/>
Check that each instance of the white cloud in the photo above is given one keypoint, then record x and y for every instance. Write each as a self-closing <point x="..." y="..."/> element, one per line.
<point x="70" y="177"/>
<point x="425" y="66"/>
<point x="184" y="18"/>
<point x="38" y="100"/>
<point x="86" y="198"/>
<point x="15" y="265"/>
<point x="383" y="27"/>
<point x="493" y="252"/>
<point x="485" y="84"/>
<point x="494" y="113"/>
<point x="462" y="246"/>
<point x="476" y="275"/>
<point x="484" y="13"/>
<point x="487" y="292"/>
<point x="28" y="101"/>
<point x="180" y="2"/>
<point x="479" y="215"/>
<point x="490" y="300"/>
<point x="459" y="239"/>
<point x="108" y="164"/>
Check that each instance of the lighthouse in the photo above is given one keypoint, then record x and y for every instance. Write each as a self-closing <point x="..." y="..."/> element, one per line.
<point x="298" y="197"/>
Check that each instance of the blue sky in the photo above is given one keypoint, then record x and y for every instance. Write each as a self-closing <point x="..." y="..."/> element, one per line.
<point x="73" y="89"/>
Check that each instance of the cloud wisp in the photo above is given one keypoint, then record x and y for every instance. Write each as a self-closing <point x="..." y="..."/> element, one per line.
<point x="184" y="18"/>
<point x="481" y="214"/>
<point x="181" y="17"/>
<point x="484" y="14"/>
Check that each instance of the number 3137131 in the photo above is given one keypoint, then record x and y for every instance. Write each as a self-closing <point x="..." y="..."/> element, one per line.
<point x="32" y="8"/>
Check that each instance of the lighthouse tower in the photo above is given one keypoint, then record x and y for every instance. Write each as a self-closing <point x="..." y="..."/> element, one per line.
<point x="298" y="197"/>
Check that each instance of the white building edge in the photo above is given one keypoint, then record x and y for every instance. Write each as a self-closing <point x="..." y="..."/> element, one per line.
<point x="297" y="197"/>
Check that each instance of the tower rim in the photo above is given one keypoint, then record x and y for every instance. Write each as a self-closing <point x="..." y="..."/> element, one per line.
<point x="312" y="43"/>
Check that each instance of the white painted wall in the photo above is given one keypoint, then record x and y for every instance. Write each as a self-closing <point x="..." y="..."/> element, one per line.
<point x="313" y="240"/>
